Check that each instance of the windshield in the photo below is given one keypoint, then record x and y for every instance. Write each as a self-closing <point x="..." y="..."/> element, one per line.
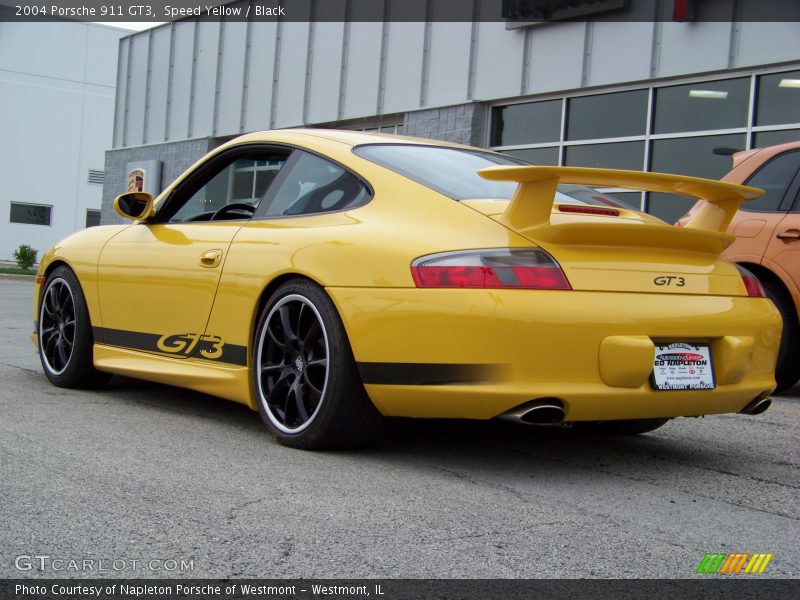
<point x="453" y="172"/>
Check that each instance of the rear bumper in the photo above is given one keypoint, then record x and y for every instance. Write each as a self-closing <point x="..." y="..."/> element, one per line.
<point x="479" y="353"/>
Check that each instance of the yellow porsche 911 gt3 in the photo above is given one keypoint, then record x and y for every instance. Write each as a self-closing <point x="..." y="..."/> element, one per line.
<point x="328" y="279"/>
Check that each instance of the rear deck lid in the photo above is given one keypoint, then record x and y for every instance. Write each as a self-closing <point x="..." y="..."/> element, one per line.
<point x="629" y="250"/>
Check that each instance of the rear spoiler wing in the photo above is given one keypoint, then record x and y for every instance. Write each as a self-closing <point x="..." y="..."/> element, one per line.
<point x="532" y="202"/>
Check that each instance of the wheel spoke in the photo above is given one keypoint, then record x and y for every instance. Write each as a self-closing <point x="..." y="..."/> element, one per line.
<point x="291" y="336"/>
<point x="311" y="335"/>
<point x="313" y="386"/>
<point x="50" y="301"/>
<point x="299" y="402"/>
<point x="274" y="338"/>
<point x="62" y="355"/>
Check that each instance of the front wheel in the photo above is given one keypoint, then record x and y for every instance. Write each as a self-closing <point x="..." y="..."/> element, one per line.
<point x="305" y="379"/>
<point x="65" y="333"/>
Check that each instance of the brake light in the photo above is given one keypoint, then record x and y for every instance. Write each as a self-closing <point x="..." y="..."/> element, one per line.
<point x="501" y="268"/>
<point x="589" y="210"/>
<point x="751" y="283"/>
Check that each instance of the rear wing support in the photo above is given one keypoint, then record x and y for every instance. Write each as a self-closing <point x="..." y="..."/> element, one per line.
<point x="533" y="199"/>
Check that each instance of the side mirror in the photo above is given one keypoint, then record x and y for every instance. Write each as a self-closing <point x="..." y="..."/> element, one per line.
<point x="134" y="205"/>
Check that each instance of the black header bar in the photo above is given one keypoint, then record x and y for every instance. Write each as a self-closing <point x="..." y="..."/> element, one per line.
<point x="517" y="13"/>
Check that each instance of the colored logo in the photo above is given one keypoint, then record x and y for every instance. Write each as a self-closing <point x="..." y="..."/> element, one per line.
<point x="736" y="563"/>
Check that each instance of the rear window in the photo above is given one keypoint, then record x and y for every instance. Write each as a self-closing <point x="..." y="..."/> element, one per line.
<point x="453" y="172"/>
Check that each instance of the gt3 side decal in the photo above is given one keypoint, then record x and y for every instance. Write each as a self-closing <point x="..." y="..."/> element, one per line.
<point x="209" y="347"/>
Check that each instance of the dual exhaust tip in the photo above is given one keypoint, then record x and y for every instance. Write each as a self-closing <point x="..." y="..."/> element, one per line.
<point x="547" y="411"/>
<point x="550" y="411"/>
<point x="757" y="406"/>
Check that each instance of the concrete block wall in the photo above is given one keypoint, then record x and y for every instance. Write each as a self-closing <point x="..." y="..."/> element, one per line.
<point x="463" y="123"/>
<point x="175" y="157"/>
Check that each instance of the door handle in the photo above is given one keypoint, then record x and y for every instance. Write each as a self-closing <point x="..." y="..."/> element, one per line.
<point x="789" y="234"/>
<point x="210" y="258"/>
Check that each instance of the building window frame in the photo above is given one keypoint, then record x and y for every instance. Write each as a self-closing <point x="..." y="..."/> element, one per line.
<point x="749" y="129"/>
<point x="49" y="208"/>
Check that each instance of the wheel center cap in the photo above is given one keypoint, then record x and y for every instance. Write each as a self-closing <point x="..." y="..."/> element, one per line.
<point x="299" y="364"/>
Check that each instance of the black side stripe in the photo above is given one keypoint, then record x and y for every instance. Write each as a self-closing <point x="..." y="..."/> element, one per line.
<point x="136" y="340"/>
<point x="426" y="373"/>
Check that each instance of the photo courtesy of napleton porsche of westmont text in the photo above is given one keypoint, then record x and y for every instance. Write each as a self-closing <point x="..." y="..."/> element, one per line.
<point x="458" y="299"/>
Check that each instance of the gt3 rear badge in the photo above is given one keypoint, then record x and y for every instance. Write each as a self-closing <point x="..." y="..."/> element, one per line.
<point x="670" y="280"/>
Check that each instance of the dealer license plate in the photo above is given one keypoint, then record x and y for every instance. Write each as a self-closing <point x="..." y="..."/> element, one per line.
<point x="681" y="366"/>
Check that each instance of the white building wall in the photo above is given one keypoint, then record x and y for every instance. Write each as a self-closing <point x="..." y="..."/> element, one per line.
<point x="310" y="73"/>
<point x="56" y="117"/>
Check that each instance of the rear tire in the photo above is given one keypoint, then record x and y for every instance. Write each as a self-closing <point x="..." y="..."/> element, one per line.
<point x="64" y="333"/>
<point x="628" y="427"/>
<point x="787" y="369"/>
<point x="304" y="376"/>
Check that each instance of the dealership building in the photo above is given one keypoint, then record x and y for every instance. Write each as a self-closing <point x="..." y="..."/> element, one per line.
<point x="56" y="116"/>
<point x="616" y="89"/>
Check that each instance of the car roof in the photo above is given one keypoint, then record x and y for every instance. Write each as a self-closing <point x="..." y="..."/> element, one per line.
<point x="343" y="136"/>
<point x="764" y="153"/>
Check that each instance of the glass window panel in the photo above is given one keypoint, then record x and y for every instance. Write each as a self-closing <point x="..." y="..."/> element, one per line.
<point x="774" y="178"/>
<point x="619" y="155"/>
<point x="530" y="123"/>
<point x="263" y="178"/>
<point x="701" y="106"/>
<point x="688" y="156"/>
<point x="30" y="214"/>
<point x="316" y="185"/>
<point x="778" y="99"/>
<point x="536" y="156"/>
<point x="762" y="139"/>
<point x="633" y="199"/>
<point x="92" y="218"/>
<point x="243" y="185"/>
<point x="607" y="115"/>
<point x="243" y="180"/>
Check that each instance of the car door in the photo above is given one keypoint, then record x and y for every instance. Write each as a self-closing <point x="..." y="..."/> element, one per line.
<point x="157" y="280"/>
<point x="782" y="255"/>
<point x="756" y="223"/>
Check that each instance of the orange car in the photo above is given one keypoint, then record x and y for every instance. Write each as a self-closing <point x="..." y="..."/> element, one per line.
<point x="767" y="241"/>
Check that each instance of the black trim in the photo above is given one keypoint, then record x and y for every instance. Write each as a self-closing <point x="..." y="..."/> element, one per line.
<point x="232" y="354"/>
<point x="426" y="373"/>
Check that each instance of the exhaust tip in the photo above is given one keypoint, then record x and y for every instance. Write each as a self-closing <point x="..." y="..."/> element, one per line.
<point x="547" y="411"/>
<point x="757" y="406"/>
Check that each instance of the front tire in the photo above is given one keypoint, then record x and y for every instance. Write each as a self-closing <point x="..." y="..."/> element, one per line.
<point x="309" y="393"/>
<point x="64" y="333"/>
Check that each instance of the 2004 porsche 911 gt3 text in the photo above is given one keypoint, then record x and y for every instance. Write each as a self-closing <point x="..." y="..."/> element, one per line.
<point x="328" y="279"/>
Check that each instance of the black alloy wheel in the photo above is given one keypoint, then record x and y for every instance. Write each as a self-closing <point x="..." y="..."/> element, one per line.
<point x="57" y="326"/>
<point x="304" y="375"/>
<point x="64" y="333"/>
<point x="293" y="363"/>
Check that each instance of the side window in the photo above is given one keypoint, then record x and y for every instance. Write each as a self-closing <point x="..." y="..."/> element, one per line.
<point x="774" y="178"/>
<point x="231" y="193"/>
<point x="315" y="185"/>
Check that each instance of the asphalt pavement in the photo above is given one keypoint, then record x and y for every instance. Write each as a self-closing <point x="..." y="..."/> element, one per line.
<point x="148" y="480"/>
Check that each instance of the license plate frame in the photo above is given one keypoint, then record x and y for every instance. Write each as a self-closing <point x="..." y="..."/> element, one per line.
<point x="682" y="366"/>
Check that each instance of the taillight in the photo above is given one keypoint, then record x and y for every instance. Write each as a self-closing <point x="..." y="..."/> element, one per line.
<point x="589" y="210"/>
<point x="751" y="283"/>
<point x="532" y="269"/>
